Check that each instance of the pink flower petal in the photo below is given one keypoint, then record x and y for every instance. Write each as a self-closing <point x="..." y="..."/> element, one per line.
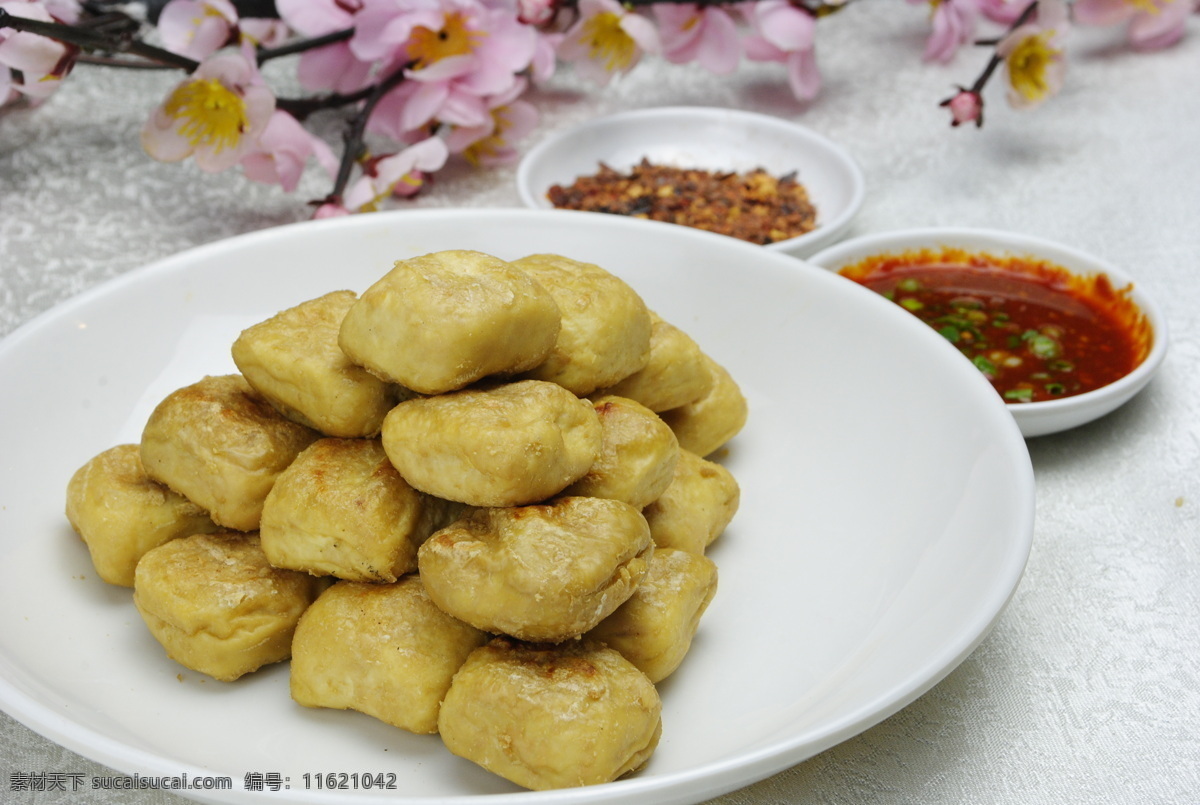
<point x="34" y="55"/>
<point x="330" y="209"/>
<point x="719" y="49"/>
<point x="758" y="49"/>
<point x="333" y="67"/>
<point x="1102" y="12"/>
<point x="803" y="76"/>
<point x="197" y="28"/>
<point x="1155" y="31"/>
<point x="285" y="146"/>
<point x="783" y="25"/>
<point x="641" y="31"/>
<point x="425" y="102"/>
<point x="315" y="17"/>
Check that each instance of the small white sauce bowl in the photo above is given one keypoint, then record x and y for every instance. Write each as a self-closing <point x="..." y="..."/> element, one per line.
<point x="709" y="139"/>
<point x="1033" y="418"/>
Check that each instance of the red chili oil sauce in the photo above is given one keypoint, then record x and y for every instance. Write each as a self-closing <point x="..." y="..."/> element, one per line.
<point x="1035" y="330"/>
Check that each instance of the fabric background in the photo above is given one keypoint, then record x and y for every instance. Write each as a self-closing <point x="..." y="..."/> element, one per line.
<point x="1088" y="689"/>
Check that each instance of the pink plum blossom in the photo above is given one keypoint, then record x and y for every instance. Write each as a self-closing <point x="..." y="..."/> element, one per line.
<point x="396" y="174"/>
<point x="706" y="35"/>
<point x="478" y="47"/>
<point x="217" y="114"/>
<point x="786" y="34"/>
<point x="1152" y="24"/>
<point x="42" y="62"/>
<point x="333" y="67"/>
<point x="414" y="106"/>
<point x="490" y="144"/>
<point x="1033" y="55"/>
<point x="953" y="26"/>
<point x="965" y="107"/>
<point x="607" y="40"/>
<point x="197" y="28"/>
<point x="456" y="54"/>
<point x="283" y="149"/>
<point x="330" y="208"/>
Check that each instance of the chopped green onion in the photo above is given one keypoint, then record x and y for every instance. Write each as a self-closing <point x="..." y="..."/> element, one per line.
<point x="1061" y="366"/>
<point x="1055" y="388"/>
<point x="1043" y="346"/>
<point x="984" y="365"/>
<point x="909" y="284"/>
<point x="950" y="333"/>
<point x="1019" y="395"/>
<point x="908" y="303"/>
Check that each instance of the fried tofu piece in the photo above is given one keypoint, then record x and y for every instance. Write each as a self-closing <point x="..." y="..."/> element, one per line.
<point x="220" y="444"/>
<point x="675" y="373"/>
<point x="341" y="509"/>
<point x="549" y="717"/>
<point x="655" y="627"/>
<point x="548" y="572"/>
<point x="121" y="514"/>
<point x="637" y="454"/>
<point x="441" y="321"/>
<point x="505" y="445"/>
<point x="706" y="424"/>
<point x="217" y="605"/>
<point x="381" y="649"/>
<point x="695" y="509"/>
<point x="294" y="361"/>
<point x="605" y="333"/>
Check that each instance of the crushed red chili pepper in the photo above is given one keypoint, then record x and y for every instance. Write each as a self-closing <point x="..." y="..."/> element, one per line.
<point x="754" y="206"/>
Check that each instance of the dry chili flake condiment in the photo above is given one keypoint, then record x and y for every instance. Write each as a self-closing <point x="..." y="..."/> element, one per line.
<point x="753" y="206"/>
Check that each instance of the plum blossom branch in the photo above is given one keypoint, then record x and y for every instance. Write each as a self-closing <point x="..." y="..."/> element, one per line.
<point x="96" y="39"/>
<point x="355" y="137"/>
<point x="1032" y="53"/>
<point x="426" y="80"/>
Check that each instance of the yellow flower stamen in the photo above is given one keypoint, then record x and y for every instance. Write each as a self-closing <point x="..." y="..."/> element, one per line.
<point x="211" y="113"/>
<point x="607" y="41"/>
<point x="1148" y="6"/>
<point x="453" y="39"/>
<point x="491" y="144"/>
<point x="1028" y="64"/>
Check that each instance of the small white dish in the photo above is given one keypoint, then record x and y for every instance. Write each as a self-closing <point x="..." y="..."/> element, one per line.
<point x="882" y="529"/>
<point x="711" y="139"/>
<point x="1033" y="418"/>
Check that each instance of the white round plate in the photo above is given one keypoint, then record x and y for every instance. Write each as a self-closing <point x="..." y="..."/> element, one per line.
<point x="1049" y="416"/>
<point x="708" y="138"/>
<point x="883" y="523"/>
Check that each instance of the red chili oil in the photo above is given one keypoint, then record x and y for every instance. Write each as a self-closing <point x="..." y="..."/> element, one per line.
<point x="1035" y="330"/>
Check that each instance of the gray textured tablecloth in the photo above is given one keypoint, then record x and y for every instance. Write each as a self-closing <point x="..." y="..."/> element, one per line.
<point x="1088" y="689"/>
